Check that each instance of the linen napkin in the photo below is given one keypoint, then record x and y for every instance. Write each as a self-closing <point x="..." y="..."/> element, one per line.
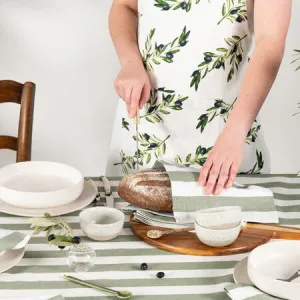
<point x="257" y="202"/>
<point x="10" y="240"/>
<point x="246" y="292"/>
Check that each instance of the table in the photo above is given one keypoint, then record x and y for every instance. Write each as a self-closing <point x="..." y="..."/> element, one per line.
<point x="118" y="261"/>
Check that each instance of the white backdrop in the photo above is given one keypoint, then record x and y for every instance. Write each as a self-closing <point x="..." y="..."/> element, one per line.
<point x="64" y="47"/>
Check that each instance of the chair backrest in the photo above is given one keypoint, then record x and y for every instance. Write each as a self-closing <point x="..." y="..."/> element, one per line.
<point x="23" y="94"/>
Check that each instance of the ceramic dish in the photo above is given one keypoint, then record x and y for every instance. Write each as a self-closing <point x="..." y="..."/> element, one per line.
<point x="219" y="217"/>
<point x="240" y="273"/>
<point x="87" y="196"/>
<point x="37" y="184"/>
<point x="217" y="237"/>
<point x="10" y="258"/>
<point x="102" y="223"/>
<point x="273" y="261"/>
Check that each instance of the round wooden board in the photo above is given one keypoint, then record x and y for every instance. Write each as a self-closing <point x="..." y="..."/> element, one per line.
<point x="188" y="243"/>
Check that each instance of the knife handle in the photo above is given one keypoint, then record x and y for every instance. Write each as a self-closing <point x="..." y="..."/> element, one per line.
<point x="137" y="117"/>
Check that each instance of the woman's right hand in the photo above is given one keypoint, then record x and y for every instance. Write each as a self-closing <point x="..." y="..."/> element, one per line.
<point x="133" y="86"/>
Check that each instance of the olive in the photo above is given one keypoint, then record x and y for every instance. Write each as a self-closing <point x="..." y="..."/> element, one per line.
<point x="144" y="266"/>
<point x="203" y="117"/>
<point x="51" y="237"/>
<point x="207" y="59"/>
<point x="239" y="19"/>
<point x="160" y="275"/>
<point x="195" y="73"/>
<point x="76" y="240"/>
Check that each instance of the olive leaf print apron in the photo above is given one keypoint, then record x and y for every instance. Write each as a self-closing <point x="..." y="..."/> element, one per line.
<point x="196" y="53"/>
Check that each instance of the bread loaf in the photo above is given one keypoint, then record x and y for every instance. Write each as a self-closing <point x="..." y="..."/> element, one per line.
<point x="148" y="189"/>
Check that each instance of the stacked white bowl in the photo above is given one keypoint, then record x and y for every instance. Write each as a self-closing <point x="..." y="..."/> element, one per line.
<point x="219" y="226"/>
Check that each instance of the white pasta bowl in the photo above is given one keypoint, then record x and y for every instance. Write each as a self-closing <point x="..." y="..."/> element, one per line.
<point x="219" y="217"/>
<point x="273" y="261"/>
<point x="217" y="237"/>
<point x="102" y="223"/>
<point x="38" y="184"/>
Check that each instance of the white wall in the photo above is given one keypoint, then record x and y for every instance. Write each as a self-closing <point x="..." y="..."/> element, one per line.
<point x="64" y="47"/>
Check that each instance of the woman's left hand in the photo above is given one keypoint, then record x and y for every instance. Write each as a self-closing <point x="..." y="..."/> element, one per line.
<point x="222" y="164"/>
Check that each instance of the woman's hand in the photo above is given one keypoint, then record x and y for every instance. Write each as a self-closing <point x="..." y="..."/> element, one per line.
<point x="222" y="164"/>
<point x="133" y="86"/>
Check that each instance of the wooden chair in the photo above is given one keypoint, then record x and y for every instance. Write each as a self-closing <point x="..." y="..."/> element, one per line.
<point x="23" y="94"/>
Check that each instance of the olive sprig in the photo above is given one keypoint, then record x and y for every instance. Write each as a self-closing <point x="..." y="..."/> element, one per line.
<point x="162" y="52"/>
<point x="234" y="12"/>
<point x="257" y="166"/>
<point x="59" y="232"/>
<point x="175" y="4"/>
<point x="199" y="158"/>
<point x="297" y="54"/>
<point x="169" y="101"/>
<point x="148" y="145"/>
<point x="253" y="133"/>
<point x="217" y="60"/>
<point x="128" y="161"/>
<point x="125" y="124"/>
<point x="220" y="108"/>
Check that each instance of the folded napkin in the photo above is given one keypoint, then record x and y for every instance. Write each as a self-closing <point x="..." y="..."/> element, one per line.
<point x="246" y="292"/>
<point x="10" y="240"/>
<point x="257" y="202"/>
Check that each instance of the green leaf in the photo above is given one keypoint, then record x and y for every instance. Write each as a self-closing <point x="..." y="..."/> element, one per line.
<point x="148" y="158"/>
<point x="188" y="158"/>
<point x="164" y="147"/>
<point x="223" y="9"/>
<point x="210" y="54"/>
<point x="155" y="61"/>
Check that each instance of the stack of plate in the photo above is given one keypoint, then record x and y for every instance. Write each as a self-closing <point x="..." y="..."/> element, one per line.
<point x="33" y="188"/>
<point x="269" y="265"/>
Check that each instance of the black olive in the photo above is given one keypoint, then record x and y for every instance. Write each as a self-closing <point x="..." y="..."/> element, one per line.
<point x="144" y="266"/>
<point x="160" y="275"/>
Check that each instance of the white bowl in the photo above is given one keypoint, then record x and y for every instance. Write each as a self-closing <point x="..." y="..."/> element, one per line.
<point x="217" y="237"/>
<point x="37" y="184"/>
<point x="273" y="261"/>
<point x="102" y="223"/>
<point x="219" y="217"/>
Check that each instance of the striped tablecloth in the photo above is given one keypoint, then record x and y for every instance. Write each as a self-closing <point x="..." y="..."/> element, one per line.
<point x="118" y="261"/>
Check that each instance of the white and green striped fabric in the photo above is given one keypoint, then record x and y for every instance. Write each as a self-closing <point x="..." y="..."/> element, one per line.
<point x="117" y="265"/>
<point x="257" y="202"/>
<point x="246" y="292"/>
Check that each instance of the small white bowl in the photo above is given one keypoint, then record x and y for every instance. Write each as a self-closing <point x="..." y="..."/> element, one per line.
<point x="217" y="237"/>
<point x="39" y="184"/>
<point x="273" y="261"/>
<point x="219" y="217"/>
<point x="102" y="223"/>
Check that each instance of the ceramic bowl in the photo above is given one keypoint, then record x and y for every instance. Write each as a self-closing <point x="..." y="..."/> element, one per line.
<point x="37" y="184"/>
<point x="217" y="237"/>
<point x="102" y="223"/>
<point x="219" y="217"/>
<point x="273" y="261"/>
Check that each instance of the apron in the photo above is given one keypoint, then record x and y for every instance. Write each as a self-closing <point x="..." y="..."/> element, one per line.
<point x="196" y="53"/>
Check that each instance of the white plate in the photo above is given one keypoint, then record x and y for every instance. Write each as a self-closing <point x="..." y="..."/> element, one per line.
<point x="10" y="258"/>
<point x="39" y="184"/>
<point x="240" y="273"/>
<point x="87" y="196"/>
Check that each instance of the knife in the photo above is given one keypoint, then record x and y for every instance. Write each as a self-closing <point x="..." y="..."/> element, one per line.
<point x="137" y="122"/>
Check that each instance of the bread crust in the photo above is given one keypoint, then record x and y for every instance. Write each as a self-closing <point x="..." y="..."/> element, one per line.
<point x="148" y="189"/>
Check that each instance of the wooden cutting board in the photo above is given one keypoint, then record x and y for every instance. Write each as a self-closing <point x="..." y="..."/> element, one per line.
<point x="251" y="236"/>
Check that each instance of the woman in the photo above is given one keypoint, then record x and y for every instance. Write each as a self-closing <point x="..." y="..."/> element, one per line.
<point x="186" y="65"/>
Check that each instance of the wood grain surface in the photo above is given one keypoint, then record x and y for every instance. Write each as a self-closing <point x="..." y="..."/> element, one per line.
<point x="250" y="237"/>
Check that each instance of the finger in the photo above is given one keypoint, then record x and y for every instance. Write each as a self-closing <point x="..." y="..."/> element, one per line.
<point x="223" y="176"/>
<point x="232" y="175"/>
<point x="127" y="96"/>
<point x="204" y="173"/>
<point x="212" y="178"/>
<point x="135" y="100"/>
<point x="145" y="95"/>
<point x="119" y="89"/>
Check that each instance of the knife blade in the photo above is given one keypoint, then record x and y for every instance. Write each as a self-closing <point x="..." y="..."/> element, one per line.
<point x="137" y="122"/>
